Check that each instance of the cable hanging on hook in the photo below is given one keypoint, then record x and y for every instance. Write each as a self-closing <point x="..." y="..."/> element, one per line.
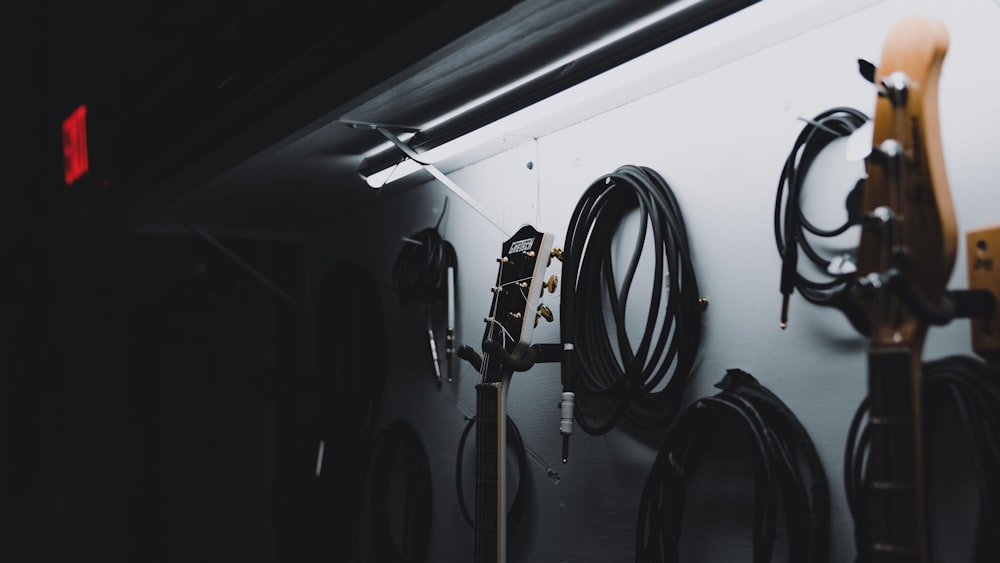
<point x="792" y="229"/>
<point x="643" y="378"/>
<point x="426" y="271"/>
<point x="788" y="475"/>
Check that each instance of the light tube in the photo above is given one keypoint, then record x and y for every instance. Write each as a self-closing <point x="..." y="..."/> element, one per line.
<point x="746" y="31"/>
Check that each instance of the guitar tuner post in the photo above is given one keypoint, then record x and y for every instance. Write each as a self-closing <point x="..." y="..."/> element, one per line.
<point x="556" y="253"/>
<point x="551" y="284"/>
<point x="895" y="88"/>
<point x="879" y="218"/>
<point x="545" y="313"/>
<point x="503" y="259"/>
<point x="887" y="154"/>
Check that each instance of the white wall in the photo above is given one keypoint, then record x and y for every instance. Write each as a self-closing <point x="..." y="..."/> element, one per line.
<point x="718" y="131"/>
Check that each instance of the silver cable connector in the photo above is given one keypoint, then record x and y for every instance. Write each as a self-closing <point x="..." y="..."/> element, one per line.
<point x="566" y="422"/>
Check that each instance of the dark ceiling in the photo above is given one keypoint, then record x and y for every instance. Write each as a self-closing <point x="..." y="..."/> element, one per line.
<point x="229" y="114"/>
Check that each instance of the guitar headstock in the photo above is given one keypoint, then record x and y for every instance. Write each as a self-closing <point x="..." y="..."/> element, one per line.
<point x="516" y="296"/>
<point x="907" y="247"/>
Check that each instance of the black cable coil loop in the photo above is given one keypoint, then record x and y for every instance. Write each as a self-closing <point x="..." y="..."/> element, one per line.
<point x="398" y="448"/>
<point x="518" y="507"/>
<point x="972" y="387"/>
<point x="420" y="271"/>
<point x="644" y="383"/>
<point x="792" y="229"/>
<point x="788" y="475"/>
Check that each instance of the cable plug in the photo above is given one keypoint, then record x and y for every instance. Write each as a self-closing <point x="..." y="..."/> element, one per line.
<point x="434" y="355"/>
<point x="566" y="422"/>
<point x="789" y="269"/>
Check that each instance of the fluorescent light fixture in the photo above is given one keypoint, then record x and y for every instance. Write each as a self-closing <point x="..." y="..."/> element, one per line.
<point x="747" y="30"/>
<point x="641" y="32"/>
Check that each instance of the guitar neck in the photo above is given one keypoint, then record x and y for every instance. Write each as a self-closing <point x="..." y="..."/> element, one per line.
<point x="895" y="459"/>
<point x="491" y="507"/>
<point x="506" y="341"/>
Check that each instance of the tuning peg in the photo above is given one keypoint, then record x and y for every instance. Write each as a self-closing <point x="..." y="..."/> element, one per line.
<point x="556" y="253"/>
<point x="896" y="88"/>
<point x="552" y="283"/>
<point x="887" y="154"/>
<point x="545" y="313"/>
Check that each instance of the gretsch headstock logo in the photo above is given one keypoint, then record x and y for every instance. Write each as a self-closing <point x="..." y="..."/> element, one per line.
<point x="521" y="246"/>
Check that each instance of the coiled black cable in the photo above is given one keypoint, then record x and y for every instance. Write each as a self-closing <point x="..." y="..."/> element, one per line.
<point x="972" y="387"/>
<point x="644" y="383"/>
<point x="420" y="271"/>
<point x="788" y="475"/>
<point x="399" y="449"/>
<point x="518" y="507"/>
<point x="792" y="229"/>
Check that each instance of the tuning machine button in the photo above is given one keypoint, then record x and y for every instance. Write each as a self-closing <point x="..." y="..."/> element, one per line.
<point x="552" y="283"/>
<point x="895" y="88"/>
<point x="556" y="253"/>
<point x="543" y="313"/>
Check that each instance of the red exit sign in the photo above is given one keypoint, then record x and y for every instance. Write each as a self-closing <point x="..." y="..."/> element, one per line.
<point x="76" y="162"/>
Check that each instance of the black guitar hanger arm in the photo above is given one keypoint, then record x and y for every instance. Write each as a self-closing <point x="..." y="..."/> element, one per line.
<point x="466" y="353"/>
<point x="520" y="363"/>
<point x="536" y="354"/>
<point x="957" y="303"/>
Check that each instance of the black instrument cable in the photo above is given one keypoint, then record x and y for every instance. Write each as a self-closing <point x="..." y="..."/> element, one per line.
<point x="420" y="271"/>
<point x="421" y="274"/>
<point x="644" y="383"/>
<point x="788" y="475"/>
<point x="792" y="229"/>
<point x="972" y="387"/>
<point x="399" y="449"/>
<point x="518" y="507"/>
<point x="322" y="456"/>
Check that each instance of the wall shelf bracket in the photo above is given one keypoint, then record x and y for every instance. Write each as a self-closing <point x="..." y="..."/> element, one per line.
<point x="434" y="171"/>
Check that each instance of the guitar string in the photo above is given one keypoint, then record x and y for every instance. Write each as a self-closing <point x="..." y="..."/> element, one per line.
<point x="522" y="286"/>
<point x="881" y="314"/>
<point x="896" y="200"/>
<point x="891" y="311"/>
<point x="503" y="330"/>
<point x="479" y="547"/>
<point x="898" y="526"/>
<point x="480" y="459"/>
